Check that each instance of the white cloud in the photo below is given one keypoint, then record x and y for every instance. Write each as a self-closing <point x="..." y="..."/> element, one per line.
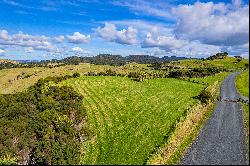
<point x="196" y="49"/>
<point x="124" y="36"/>
<point x="29" y="49"/>
<point x="59" y="39"/>
<point x="167" y="43"/>
<point x="26" y="40"/>
<point x="25" y="37"/>
<point x="77" y="49"/>
<point x="237" y="3"/>
<point x="143" y="27"/>
<point x="4" y="35"/>
<point x="2" y="52"/>
<point x="142" y="7"/>
<point x="241" y="50"/>
<point x="78" y="38"/>
<point x="216" y="24"/>
<point x="173" y="46"/>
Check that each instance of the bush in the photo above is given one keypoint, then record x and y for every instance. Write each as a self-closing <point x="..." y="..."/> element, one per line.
<point x="205" y="96"/>
<point x="75" y="75"/>
<point x="44" y="122"/>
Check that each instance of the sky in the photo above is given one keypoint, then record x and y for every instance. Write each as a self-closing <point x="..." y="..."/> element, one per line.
<point x="46" y="29"/>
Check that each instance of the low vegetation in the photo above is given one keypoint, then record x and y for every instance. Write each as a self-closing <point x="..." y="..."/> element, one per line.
<point x="242" y="83"/>
<point x="246" y="124"/>
<point x="43" y="125"/>
<point x="189" y="126"/>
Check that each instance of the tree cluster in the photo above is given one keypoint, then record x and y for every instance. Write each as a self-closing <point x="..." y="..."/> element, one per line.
<point x="220" y="55"/>
<point x="195" y="72"/>
<point x="43" y="125"/>
<point x="117" y="60"/>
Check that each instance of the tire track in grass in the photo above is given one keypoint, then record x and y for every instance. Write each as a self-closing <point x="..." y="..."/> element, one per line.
<point x="106" y="109"/>
<point x="102" y="104"/>
<point x="137" y="117"/>
<point x="155" y="107"/>
<point x="100" y="122"/>
<point x="92" y="117"/>
<point x="106" y="132"/>
<point x="142" y="131"/>
<point x="106" y="100"/>
<point x="128" y="136"/>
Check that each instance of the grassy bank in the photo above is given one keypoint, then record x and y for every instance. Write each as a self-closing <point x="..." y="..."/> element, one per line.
<point x="188" y="128"/>
<point x="242" y="83"/>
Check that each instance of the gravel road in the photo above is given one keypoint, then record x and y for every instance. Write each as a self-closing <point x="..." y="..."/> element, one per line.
<point x="222" y="139"/>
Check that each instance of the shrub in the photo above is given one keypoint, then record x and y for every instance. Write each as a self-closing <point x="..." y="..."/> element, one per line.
<point x="205" y="96"/>
<point x="75" y="75"/>
<point x="44" y="122"/>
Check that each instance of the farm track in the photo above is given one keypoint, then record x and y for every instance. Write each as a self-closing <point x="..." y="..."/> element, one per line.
<point x="222" y="139"/>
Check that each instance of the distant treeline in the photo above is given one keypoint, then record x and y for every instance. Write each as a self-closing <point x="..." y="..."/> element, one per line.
<point x="146" y="75"/>
<point x="117" y="60"/>
<point x="101" y="59"/>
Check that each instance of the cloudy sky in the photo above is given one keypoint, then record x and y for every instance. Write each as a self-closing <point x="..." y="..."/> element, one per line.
<point x="46" y="29"/>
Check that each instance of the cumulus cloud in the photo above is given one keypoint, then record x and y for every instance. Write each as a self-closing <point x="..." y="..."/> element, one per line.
<point x="173" y="46"/>
<point x="26" y="40"/>
<point x="164" y="42"/>
<point x="241" y="50"/>
<point x="124" y="36"/>
<point x="26" y="37"/>
<point x="216" y="24"/>
<point x="4" y="35"/>
<point x="29" y="49"/>
<point x="59" y="39"/>
<point x="77" y="38"/>
<point x="2" y="52"/>
<point x="197" y="49"/>
<point x="77" y="49"/>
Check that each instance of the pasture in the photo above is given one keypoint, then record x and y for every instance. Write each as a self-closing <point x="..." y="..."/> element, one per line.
<point x="17" y="79"/>
<point x="128" y="118"/>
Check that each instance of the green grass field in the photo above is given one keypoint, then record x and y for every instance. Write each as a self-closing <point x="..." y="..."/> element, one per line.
<point x="242" y="83"/>
<point x="129" y="119"/>
<point x="228" y="63"/>
<point x="211" y="79"/>
<point x="10" y="84"/>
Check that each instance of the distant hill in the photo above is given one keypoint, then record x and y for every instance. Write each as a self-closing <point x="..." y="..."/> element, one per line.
<point x="27" y="61"/>
<point x="118" y="60"/>
<point x="7" y="61"/>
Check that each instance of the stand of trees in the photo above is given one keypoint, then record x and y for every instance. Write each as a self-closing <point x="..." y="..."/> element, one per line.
<point x="220" y="55"/>
<point x="43" y="125"/>
<point x="117" y="60"/>
<point x="145" y="75"/>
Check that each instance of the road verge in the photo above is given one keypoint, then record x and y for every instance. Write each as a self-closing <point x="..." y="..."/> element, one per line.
<point x="185" y="132"/>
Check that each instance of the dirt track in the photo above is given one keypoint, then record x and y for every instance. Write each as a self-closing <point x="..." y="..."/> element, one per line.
<point x="222" y="139"/>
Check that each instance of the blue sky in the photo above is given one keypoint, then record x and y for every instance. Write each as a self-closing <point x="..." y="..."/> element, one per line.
<point x="46" y="29"/>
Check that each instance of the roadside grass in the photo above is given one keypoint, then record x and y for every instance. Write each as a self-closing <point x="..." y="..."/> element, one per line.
<point x="131" y="119"/>
<point x="210" y="80"/>
<point x="242" y="83"/>
<point x="188" y="128"/>
<point x="246" y="122"/>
